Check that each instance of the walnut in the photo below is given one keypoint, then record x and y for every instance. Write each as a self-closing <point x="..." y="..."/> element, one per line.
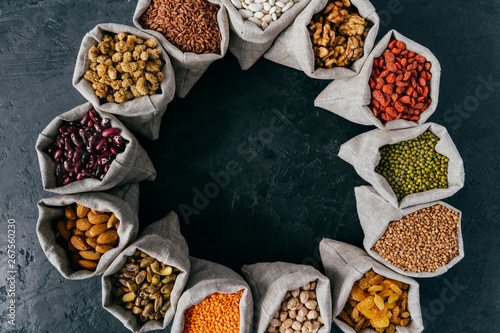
<point x="93" y="53"/>
<point x="102" y="58"/>
<point x="144" y="55"/>
<point x="337" y="34"/>
<point x="355" y="25"/>
<point x="134" y="90"/>
<point x="120" y="96"/>
<point x="141" y="64"/>
<point x="127" y="57"/>
<point x="160" y="76"/>
<point x="154" y="53"/>
<point x="106" y="80"/>
<point x="91" y="76"/>
<point x="129" y="67"/>
<point x="126" y="83"/>
<point x="104" y="47"/>
<point x="117" y="84"/>
<point x="110" y="98"/>
<point x="121" y="36"/>
<point x="93" y="66"/>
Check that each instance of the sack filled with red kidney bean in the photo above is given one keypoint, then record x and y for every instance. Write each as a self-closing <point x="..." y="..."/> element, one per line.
<point x="399" y="83"/>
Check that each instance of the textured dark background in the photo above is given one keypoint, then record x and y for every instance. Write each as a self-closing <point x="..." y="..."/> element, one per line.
<point x="292" y="192"/>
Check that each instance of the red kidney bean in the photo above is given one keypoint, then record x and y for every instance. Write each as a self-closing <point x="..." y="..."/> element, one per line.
<point x="87" y="172"/>
<point x="105" y="123"/>
<point x="85" y="157"/>
<point x="77" y="141"/>
<point x="90" y="123"/>
<point x="79" y="167"/>
<point x="67" y="165"/>
<point x="97" y="127"/>
<point x="72" y="129"/>
<point x="110" y="132"/>
<point x="59" y="170"/>
<point x="114" y="150"/>
<point x="105" y="158"/>
<point x="99" y="171"/>
<point x="63" y="127"/>
<point x="68" y="180"/>
<point x="101" y="144"/>
<point x="77" y="156"/>
<point x="95" y="116"/>
<point x="94" y="140"/>
<point x="58" y="154"/>
<point x="68" y="145"/>
<point x="107" y="166"/>
<point x="80" y="176"/>
<point x="60" y="142"/>
<point x="118" y="140"/>
<point x="85" y="119"/>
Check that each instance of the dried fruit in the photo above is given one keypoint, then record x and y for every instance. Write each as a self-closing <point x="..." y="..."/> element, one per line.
<point x="400" y="83"/>
<point x="132" y="291"/>
<point x="381" y="308"/>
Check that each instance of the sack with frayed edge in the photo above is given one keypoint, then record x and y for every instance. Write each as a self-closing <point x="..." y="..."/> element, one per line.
<point x="362" y="152"/>
<point x="163" y="241"/>
<point x="270" y="282"/>
<point x="207" y="278"/>
<point x="122" y="201"/>
<point x="294" y="48"/>
<point x="188" y="66"/>
<point x="375" y="214"/>
<point x="142" y="114"/>
<point x="248" y="42"/>
<point x="345" y="264"/>
<point x="350" y="98"/>
<point x="130" y="166"/>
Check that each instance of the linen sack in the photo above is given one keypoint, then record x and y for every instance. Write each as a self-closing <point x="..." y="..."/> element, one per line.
<point x="271" y="281"/>
<point x="188" y="66"/>
<point x="350" y="98"/>
<point x="207" y="278"/>
<point x="130" y="166"/>
<point x="345" y="264"/>
<point x="122" y="201"/>
<point x="142" y="114"/>
<point x="293" y="47"/>
<point x="362" y="152"/>
<point x="163" y="241"/>
<point x="248" y="42"/>
<point x="375" y="214"/>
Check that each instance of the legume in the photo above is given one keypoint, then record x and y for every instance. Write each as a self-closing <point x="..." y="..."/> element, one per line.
<point x="216" y="313"/>
<point x="414" y="166"/>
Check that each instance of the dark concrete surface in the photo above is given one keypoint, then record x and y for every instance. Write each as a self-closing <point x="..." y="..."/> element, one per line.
<point x="290" y="188"/>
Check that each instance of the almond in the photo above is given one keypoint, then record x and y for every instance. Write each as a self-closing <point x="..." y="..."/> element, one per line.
<point x="77" y="232"/>
<point x="87" y="233"/>
<point x="96" y="211"/>
<point x="79" y="243"/>
<point x="98" y="229"/>
<point x="103" y="248"/>
<point x="97" y="218"/>
<point x="70" y="213"/>
<point x="90" y="255"/>
<point x="107" y="237"/>
<point x="71" y="248"/>
<point x="70" y="224"/>
<point x="83" y="224"/>
<point x="74" y="261"/>
<point x="65" y="233"/>
<point x="92" y="241"/>
<point x="87" y="264"/>
<point x="81" y="211"/>
<point x="112" y="221"/>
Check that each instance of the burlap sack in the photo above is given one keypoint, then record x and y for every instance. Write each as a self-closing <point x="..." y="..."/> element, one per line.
<point x="271" y="281"/>
<point x="362" y="152"/>
<point x="375" y="214"/>
<point x="350" y="98"/>
<point x="143" y="114"/>
<point x="248" y="42"/>
<point x="345" y="264"/>
<point x="188" y="66"/>
<point x="207" y="278"/>
<point x="163" y="241"/>
<point x="123" y="201"/>
<point x="293" y="47"/>
<point x="131" y="166"/>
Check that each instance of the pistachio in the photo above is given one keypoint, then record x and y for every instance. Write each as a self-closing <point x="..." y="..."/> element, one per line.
<point x="155" y="266"/>
<point x="166" y="289"/>
<point x="147" y="261"/>
<point x="129" y="297"/>
<point x="129" y="275"/>
<point x="155" y="279"/>
<point x="131" y="267"/>
<point x="158" y="304"/>
<point x="129" y="305"/>
<point x="152" y="289"/>
<point x="140" y="277"/>
<point x="136" y="310"/>
<point x="166" y="271"/>
<point x="168" y="278"/>
<point x="148" y="310"/>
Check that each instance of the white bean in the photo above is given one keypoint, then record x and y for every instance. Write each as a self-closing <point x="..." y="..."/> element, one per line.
<point x="258" y="15"/>
<point x="254" y="20"/>
<point x="264" y="25"/>
<point x="268" y="19"/>
<point x="255" y="7"/>
<point x="280" y="4"/>
<point x="274" y="16"/>
<point x="245" y="13"/>
<point x="272" y="2"/>
<point x="248" y="1"/>
<point x="287" y="6"/>
<point x="272" y="10"/>
<point x="267" y="6"/>
<point x="236" y="3"/>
